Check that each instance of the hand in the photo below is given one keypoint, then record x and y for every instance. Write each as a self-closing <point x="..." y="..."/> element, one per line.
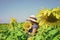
<point x="29" y="33"/>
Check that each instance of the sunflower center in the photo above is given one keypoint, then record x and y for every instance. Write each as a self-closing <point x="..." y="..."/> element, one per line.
<point x="52" y="18"/>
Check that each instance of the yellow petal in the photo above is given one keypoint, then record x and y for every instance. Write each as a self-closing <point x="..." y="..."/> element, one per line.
<point x="49" y="12"/>
<point x="45" y="13"/>
<point x="57" y="16"/>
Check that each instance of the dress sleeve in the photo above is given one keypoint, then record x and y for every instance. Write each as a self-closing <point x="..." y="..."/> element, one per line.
<point x="35" y="26"/>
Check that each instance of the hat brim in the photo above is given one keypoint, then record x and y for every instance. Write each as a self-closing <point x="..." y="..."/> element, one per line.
<point x="32" y="20"/>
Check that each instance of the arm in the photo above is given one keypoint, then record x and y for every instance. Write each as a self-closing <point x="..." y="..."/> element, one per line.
<point x="34" y="31"/>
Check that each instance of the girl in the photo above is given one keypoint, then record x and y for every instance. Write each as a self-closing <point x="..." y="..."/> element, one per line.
<point x="34" y="27"/>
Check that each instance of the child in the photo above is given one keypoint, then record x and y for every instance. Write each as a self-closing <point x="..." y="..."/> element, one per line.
<point x="34" y="27"/>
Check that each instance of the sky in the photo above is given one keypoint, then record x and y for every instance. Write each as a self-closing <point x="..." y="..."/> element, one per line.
<point x="22" y="9"/>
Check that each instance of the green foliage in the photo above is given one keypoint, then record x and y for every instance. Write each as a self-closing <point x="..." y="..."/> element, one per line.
<point x="50" y="33"/>
<point x="16" y="33"/>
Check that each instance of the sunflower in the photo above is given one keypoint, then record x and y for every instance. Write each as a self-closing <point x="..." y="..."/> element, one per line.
<point x="49" y="17"/>
<point x="27" y="25"/>
<point x="12" y="22"/>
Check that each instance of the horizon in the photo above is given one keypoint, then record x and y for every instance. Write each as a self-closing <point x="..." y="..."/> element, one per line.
<point x="22" y="9"/>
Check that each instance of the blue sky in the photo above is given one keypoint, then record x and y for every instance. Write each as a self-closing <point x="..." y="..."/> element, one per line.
<point x="22" y="9"/>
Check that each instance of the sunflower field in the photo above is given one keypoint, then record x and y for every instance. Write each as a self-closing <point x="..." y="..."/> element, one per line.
<point x="49" y="27"/>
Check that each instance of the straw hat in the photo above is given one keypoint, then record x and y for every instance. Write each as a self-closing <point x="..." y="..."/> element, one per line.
<point x="32" y="18"/>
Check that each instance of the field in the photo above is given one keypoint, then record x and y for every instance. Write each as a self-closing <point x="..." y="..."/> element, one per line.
<point x="49" y="27"/>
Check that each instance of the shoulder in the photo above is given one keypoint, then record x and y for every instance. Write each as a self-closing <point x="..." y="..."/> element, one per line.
<point x="35" y="26"/>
